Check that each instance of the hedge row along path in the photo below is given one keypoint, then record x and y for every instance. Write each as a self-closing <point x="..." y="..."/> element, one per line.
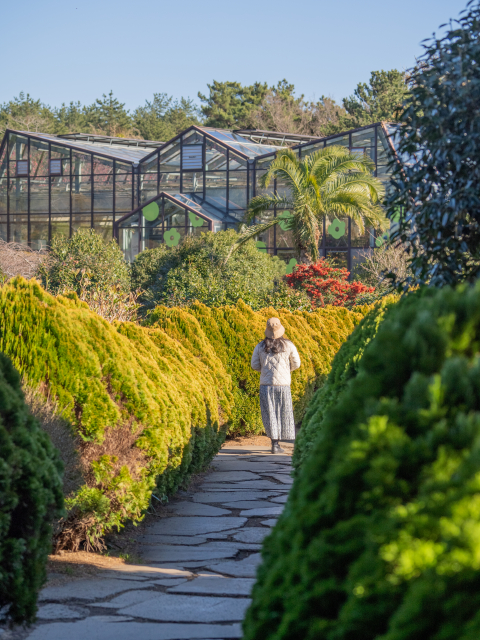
<point x="200" y="562"/>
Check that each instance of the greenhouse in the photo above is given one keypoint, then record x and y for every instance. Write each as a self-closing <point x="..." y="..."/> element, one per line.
<point x="146" y="193"/>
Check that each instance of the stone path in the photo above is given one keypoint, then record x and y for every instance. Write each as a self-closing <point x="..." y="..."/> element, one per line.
<point x="200" y="563"/>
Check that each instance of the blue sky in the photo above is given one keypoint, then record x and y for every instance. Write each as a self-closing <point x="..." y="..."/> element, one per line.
<point x="63" y="50"/>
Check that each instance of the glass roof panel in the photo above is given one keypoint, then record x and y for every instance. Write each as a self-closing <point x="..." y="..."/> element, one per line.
<point x="238" y="142"/>
<point x="127" y="154"/>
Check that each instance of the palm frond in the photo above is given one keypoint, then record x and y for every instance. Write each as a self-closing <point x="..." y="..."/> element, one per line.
<point x="262" y="203"/>
<point x="250" y="233"/>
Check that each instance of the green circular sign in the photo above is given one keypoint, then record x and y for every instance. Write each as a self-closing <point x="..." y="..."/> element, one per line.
<point x="151" y="211"/>
<point x="285" y="219"/>
<point x="195" y="221"/>
<point x="290" y="266"/>
<point x="171" y="238"/>
<point x="337" y="229"/>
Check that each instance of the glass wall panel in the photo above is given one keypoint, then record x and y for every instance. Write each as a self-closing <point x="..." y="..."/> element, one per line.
<point x="102" y="196"/>
<point x="81" y="165"/>
<point x="281" y="188"/>
<point x="259" y="190"/>
<point x="289" y="256"/>
<point x="340" y="258"/>
<point x="39" y="195"/>
<point x="103" y="224"/>
<point x="39" y="232"/>
<point x="38" y="158"/>
<point x="235" y="163"/>
<point x="340" y="140"/>
<point x="150" y="166"/>
<point x="17" y="147"/>
<point x="82" y="194"/>
<point x="364" y="142"/>
<point x="3" y="195"/>
<point x="215" y="156"/>
<point x="284" y="238"/>
<point x="18" y="190"/>
<point x="360" y="239"/>
<point x="18" y="228"/>
<point x="3" y="228"/>
<point x="174" y="216"/>
<point x="170" y="157"/>
<point x="81" y="221"/>
<point x="337" y="232"/>
<point x="170" y="182"/>
<point x="102" y="165"/>
<point x="152" y="237"/>
<point x="148" y="186"/>
<point x="237" y="189"/>
<point x="192" y="182"/>
<point x="383" y="150"/>
<point x="216" y="187"/>
<point x="196" y="224"/>
<point x="128" y="238"/>
<point x="121" y="167"/>
<point x="123" y="192"/>
<point x="58" y="153"/>
<point x="60" y="225"/>
<point x="307" y="151"/>
<point x="60" y="194"/>
<point x="193" y="137"/>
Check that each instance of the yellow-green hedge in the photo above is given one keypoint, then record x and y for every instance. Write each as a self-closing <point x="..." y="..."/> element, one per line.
<point x="151" y="404"/>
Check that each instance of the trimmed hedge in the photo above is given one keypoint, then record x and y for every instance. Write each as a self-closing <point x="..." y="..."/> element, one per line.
<point x="30" y="498"/>
<point x="380" y="537"/>
<point x="344" y="368"/>
<point x="232" y="332"/>
<point x="150" y="404"/>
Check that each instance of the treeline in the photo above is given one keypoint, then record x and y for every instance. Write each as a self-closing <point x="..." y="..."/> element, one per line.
<point x="228" y="105"/>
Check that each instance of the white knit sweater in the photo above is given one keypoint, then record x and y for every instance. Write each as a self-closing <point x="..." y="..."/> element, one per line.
<point x="275" y="368"/>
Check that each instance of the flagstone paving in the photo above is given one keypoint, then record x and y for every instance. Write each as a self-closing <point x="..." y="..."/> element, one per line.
<point x="200" y="561"/>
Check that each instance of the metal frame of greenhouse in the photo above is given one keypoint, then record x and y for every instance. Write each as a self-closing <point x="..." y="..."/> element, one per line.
<point x="146" y="192"/>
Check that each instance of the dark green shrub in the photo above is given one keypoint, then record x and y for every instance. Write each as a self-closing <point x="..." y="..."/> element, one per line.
<point x="344" y="368"/>
<point x="84" y="262"/>
<point x="30" y="498"/>
<point x="195" y="270"/>
<point x="435" y="188"/>
<point x="380" y="538"/>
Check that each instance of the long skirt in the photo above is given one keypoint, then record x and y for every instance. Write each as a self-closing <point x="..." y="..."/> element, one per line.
<point x="277" y="412"/>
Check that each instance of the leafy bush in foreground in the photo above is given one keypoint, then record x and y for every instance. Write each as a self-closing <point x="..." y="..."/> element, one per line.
<point x="149" y="404"/>
<point x="30" y="498"/>
<point x="344" y="368"/>
<point x="380" y="537"/>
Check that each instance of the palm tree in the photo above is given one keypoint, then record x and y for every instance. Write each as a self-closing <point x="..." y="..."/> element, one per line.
<point x="330" y="182"/>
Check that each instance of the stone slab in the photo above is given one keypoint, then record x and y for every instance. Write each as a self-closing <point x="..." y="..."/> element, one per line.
<point x="89" y="589"/>
<point x="269" y="523"/>
<point x="132" y="571"/>
<point x="246" y="568"/>
<point x="284" y="478"/>
<point x="249" y="484"/>
<point x="249" y="504"/>
<point x="195" y="526"/>
<point x="127" y="599"/>
<point x="218" y="497"/>
<point x="171" y="553"/>
<point x="216" y="586"/>
<point x="252" y="534"/>
<point x="167" y="607"/>
<point x="182" y="540"/>
<point x="59" y="612"/>
<point x="194" y="509"/>
<point x="113" y="628"/>
<point x="231" y="476"/>
<point x="270" y="511"/>
<point x="169" y="583"/>
<point x="280" y="499"/>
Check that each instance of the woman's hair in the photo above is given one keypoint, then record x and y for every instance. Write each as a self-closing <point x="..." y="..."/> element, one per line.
<point x="272" y="345"/>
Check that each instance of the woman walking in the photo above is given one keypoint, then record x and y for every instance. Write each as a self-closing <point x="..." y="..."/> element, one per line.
<point x="275" y="357"/>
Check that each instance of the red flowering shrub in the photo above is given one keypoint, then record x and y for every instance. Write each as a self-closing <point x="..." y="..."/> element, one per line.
<point x="327" y="284"/>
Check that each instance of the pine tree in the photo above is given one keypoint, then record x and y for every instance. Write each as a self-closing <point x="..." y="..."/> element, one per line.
<point x="229" y="104"/>
<point x="110" y="117"/>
